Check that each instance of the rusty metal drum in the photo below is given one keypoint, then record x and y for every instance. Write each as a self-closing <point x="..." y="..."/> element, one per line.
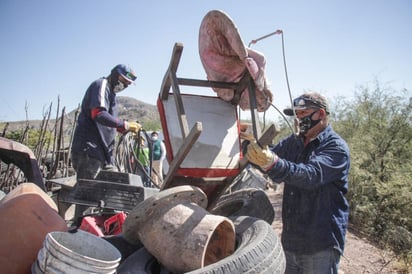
<point x="175" y="227"/>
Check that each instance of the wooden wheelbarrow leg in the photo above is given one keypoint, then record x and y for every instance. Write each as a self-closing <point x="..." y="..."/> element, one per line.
<point x="181" y="154"/>
<point x="170" y="80"/>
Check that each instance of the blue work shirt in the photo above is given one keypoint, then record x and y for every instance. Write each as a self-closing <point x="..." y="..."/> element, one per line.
<point x="315" y="211"/>
<point x="91" y="137"/>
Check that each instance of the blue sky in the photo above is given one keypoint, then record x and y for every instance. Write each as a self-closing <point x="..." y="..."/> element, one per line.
<point x="54" y="49"/>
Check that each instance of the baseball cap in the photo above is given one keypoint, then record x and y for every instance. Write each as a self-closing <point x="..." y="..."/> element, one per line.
<point x="308" y="100"/>
<point x="126" y="72"/>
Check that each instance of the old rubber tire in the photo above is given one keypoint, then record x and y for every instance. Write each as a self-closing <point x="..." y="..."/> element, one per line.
<point x="258" y="250"/>
<point x="140" y="262"/>
<point x="245" y="202"/>
<point x="125" y="248"/>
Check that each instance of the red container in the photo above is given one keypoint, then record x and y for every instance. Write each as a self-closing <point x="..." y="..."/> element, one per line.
<point x="114" y="224"/>
<point x="103" y="225"/>
<point x="93" y="225"/>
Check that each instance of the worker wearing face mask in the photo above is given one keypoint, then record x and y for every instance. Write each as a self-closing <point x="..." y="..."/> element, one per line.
<point x="158" y="154"/>
<point x="94" y="137"/>
<point x="314" y="167"/>
<point x="98" y="123"/>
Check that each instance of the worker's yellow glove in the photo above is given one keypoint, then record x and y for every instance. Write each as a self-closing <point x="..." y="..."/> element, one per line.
<point x="246" y="136"/>
<point x="262" y="157"/>
<point x="132" y="126"/>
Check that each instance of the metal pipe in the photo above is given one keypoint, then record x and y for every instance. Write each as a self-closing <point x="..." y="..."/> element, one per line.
<point x="264" y="37"/>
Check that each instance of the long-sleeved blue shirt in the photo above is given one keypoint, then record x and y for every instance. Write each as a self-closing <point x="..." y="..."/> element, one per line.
<point x="315" y="211"/>
<point x="96" y="135"/>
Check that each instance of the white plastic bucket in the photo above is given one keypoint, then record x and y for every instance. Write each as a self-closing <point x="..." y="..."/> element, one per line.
<point x="80" y="252"/>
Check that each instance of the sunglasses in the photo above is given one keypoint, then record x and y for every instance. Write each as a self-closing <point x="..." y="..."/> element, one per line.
<point x="131" y="76"/>
<point x="307" y="103"/>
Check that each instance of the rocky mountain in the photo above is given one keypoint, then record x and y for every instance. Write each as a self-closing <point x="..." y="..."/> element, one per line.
<point x="134" y="110"/>
<point x="129" y="109"/>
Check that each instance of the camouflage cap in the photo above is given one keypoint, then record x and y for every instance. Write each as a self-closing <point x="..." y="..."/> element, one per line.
<point x="307" y="101"/>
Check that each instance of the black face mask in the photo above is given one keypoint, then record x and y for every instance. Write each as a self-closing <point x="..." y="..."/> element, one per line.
<point x="307" y="123"/>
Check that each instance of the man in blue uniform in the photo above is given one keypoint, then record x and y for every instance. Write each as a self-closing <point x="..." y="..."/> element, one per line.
<point x="314" y="166"/>
<point x="98" y="124"/>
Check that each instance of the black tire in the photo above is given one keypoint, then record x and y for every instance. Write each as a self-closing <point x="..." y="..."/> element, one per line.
<point x="125" y="248"/>
<point x="250" y="177"/>
<point x="245" y="202"/>
<point x="140" y="262"/>
<point x="258" y="250"/>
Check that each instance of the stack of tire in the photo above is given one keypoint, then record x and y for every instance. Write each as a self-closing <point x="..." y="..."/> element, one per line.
<point x="258" y="248"/>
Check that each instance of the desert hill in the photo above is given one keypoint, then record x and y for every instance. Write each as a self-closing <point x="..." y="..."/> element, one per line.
<point x="129" y="108"/>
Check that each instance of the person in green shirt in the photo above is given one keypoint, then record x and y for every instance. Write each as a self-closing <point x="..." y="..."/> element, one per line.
<point x="159" y="154"/>
<point x="143" y="156"/>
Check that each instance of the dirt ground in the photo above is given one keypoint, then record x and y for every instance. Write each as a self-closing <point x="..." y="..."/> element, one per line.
<point x="359" y="257"/>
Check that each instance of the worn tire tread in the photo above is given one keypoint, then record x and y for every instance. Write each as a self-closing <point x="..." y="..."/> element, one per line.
<point x="259" y="250"/>
<point x="251" y="202"/>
